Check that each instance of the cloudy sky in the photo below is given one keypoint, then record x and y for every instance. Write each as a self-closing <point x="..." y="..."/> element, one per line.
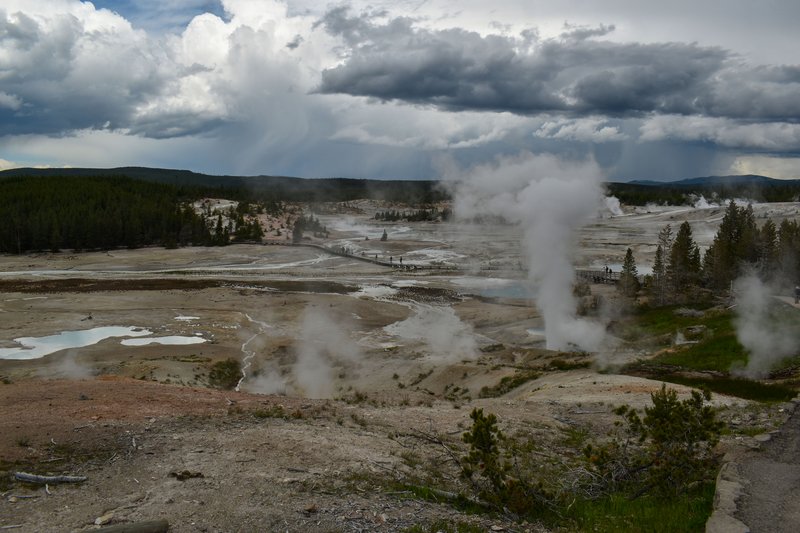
<point x="392" y="89"/>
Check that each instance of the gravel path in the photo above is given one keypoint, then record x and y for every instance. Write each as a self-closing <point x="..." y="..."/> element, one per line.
<point x="771" y="498"/>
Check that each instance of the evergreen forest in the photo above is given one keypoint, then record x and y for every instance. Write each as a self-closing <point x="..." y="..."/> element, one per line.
<point x="91" y="213"/>
<point x="740" y="247"/>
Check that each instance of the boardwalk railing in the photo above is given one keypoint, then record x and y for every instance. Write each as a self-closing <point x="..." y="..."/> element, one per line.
<point x="396" y="264"/>
<point x="598" y="276"/>
<point x="590" y="276"/>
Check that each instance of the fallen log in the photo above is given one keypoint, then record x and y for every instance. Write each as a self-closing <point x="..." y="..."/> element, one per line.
<point x="152" y="526"/>
<point x="44" y="480"/>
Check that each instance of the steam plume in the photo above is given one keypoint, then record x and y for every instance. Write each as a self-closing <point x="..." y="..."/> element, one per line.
<point x="550" y="199"/>
<point x="323" y="344"/>
<point x="70" y="367"/>
<point x="446" y="336"/>
<point x="763" y="334"/>
<point x="613" y="206"/>
<point x="269" y="381"/>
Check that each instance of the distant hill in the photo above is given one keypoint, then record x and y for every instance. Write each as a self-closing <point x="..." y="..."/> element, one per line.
<point x="160" y="175"/>
<point x="292" y="189"/>
<point x="745" y="179"/>
<point x="748" y="186"/>
<point x="282" y="188"/>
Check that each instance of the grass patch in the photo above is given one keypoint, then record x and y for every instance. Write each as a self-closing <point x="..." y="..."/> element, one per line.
<point x="460" y="502"/>
<point x="739" y="387"/>
<point x="277" y="411"/>
<point x="718" y="350"/>
<point x="273" y="411"/>
<point x="724" y="384"/>
<point x="684" y="513"/>
<point x="420" y="377"/>
<point x="720" y="353"/>
<point x="357" y="398"/>
<point x="750" y="431"/>
<point x="662" y="320"/>
<point x="446" y="526"/>
<point x="360" y="420"/>
<point x="507" y="384"/>
<point x="562" y="365"/>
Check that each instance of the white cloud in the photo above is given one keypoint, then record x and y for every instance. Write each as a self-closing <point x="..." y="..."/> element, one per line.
<point x="100" y="148"/>
<point x="593" y="129"/>
<point x="770" y="136"/>
<point x="774" y="167"/>
<point x="5" y="164"/>
<point x="10" y="101"/>
<point x="424" y="128"/>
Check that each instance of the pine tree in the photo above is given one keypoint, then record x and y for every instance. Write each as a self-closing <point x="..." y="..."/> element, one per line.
<point x="768" y="249"/>
<point x="683" y="266"/>
<point x="736" y="244"/>
<point x="789" y="249"/>
<point x="658" y="286"/>
<point x="297" y="231"/>
<point x="665" y="239"/>
<point x="629" y="278"/>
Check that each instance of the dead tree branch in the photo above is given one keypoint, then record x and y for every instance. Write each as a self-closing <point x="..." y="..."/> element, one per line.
<point x="44" y="480"/>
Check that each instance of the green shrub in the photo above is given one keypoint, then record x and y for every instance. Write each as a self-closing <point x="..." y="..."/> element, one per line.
<point x="665" y="452"/>
<point x="507" y="384"/>
<point x="488" y="468"/>
<point x="225" y="374"/>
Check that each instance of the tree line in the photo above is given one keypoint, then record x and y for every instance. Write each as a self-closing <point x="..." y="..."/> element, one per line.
<point x="680" y="194"/>
<point x="308" y="223"/>
<point x="739" y="246"/>
<point x="90" y="213"/>
<point x="264" y="189"/>
<point x="419" y="215"/>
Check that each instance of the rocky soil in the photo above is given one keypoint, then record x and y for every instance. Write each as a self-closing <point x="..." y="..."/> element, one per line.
<point x="154" y="442"/>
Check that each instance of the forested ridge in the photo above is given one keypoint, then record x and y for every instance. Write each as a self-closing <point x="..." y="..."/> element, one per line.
<point x="87" y="209"/>
<point x="263" y="188"/>
<point x="716" y="188"/>
<point x="291" y="189"/>
<point x="88" y="213"/>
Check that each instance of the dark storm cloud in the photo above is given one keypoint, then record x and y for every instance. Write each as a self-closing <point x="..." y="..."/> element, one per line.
<point x="59" y="76"/>
<point x="59" y="92"/>
<point x="575" y="74"/>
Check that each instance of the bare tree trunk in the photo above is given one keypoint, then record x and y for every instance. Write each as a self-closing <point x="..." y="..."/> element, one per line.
<point x="42" y="480"/>
<point x="153" y="526"/>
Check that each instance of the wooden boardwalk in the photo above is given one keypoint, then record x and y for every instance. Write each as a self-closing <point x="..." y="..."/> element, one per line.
<point x="397" y="265"/>
<point x="590" y="276"/>
<point x="598" y="276"/>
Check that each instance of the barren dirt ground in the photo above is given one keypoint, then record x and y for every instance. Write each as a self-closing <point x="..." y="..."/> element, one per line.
<point x="291" y="453"/>
<point x="267" y="463"/>
<point x="771" y="476"/>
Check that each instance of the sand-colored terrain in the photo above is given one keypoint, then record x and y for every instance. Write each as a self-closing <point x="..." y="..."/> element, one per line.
<point x="345" y="361"/>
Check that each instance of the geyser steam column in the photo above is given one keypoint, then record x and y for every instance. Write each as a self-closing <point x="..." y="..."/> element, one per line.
<point x="550" y="198"/>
